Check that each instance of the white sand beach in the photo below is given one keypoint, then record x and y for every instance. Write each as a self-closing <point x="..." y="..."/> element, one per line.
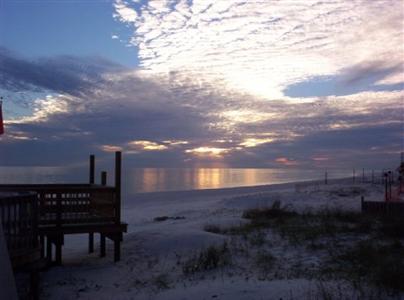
<point x="154" y="252"/>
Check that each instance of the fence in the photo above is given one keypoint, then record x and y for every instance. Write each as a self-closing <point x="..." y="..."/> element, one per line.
<point x="19" y="220"/>
<point x="388" y="208"/>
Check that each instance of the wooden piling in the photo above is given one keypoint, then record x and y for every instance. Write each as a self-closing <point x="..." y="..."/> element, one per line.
<point x="117" y="250"/>
<point x="103" y="178"/>
<point x="102" y="245"/>
<point x="118" y="168"/>
<point x="48" y="249"/>
<point x="92" y="169"/>
<point x="42" y="243"/>
<point x="91" y="181"/>
<point x="91" y="242"/>
<point x="58" y="254"/>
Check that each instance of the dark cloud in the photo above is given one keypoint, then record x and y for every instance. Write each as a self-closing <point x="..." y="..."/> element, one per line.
<point x="62" y="74"/>
<point x="359" y="78"/>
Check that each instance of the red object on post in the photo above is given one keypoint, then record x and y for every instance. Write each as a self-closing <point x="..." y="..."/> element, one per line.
<point x="1" y="119"/>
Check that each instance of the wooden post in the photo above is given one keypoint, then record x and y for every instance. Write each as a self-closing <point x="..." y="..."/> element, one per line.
<point x="48" y="249"/>
<point x="118" y="168"/>
<point x="103" y="178"/>
<point x="92" y="169"/>
<point x="362" y="200"/>
<point x="42" y="242"/>
<point x="102" y="245"/>
<point x="34" y="284"/>
<point x="59" y="241"/>
<point x="91" y="181"/>
<point x="91" y="242"/>
<point x="58" y="253"/>
<point x="35" y="216"/>
<point x="117" y="250"/>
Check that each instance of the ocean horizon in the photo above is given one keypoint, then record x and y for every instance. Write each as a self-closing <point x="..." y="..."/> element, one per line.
<point x="145" y="180"/>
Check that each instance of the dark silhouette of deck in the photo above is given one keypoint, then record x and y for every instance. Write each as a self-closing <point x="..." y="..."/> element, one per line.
<point x="36" y="217"/>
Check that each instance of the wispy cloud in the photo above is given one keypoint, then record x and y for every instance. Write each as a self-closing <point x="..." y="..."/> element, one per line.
<point x="260" y="47"/>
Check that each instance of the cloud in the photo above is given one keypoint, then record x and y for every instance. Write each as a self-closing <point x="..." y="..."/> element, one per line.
<point x="261" y="47"/>
<point x="366" y="76"/>
<point x="157" y="122"/>
<point x="63" y="74"/>
<point x="208" y="151"/>
<point x="211" y="89"/>
<point x="147" y="146"/>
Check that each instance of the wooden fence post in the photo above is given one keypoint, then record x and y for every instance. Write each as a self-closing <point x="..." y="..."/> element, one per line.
<point x="103" y="178"/>
<point x="102" y="235"/>
<point x="118" y="170"/>
<point x="92" y="169"/>
<point x="102" y="245"/>
<point x="91" y="181"/>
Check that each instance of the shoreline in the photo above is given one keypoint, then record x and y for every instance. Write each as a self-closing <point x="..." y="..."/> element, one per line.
<point x="247" y="188"/>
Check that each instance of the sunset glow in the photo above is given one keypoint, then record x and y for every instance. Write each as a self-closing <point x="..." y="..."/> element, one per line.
<point x="182" y="82"/>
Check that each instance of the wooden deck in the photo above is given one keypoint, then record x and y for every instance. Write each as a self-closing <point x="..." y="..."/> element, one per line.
<point x="36" y="217"/>
<point x="73" y="209"/>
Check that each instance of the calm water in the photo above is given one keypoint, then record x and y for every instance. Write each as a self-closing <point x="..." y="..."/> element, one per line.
<point x="167" y="179"/>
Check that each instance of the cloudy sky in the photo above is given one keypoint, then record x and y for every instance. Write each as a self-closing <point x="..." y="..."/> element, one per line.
<point x="236" y="83"/>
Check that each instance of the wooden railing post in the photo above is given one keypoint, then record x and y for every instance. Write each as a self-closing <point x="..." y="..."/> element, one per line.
<point x="58" y="239"/>
<point x="91" y="181"/>
<point x="34" y="216"/>
<point x="102" y="245"/>
<point x="118" y="169"/>
<point x="92" y="169"/>
<point x="103" y="178"/>
<point x="91" y="242"/>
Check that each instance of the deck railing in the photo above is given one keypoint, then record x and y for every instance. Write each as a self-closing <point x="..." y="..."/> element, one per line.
<point x="19" y="220"/>
<point x="61" y="204"/>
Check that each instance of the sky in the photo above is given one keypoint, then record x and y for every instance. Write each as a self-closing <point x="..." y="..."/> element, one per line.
<point x="203" y="83"/>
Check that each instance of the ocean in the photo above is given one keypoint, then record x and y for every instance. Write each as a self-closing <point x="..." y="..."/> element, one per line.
<point x="143" y="180"/>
